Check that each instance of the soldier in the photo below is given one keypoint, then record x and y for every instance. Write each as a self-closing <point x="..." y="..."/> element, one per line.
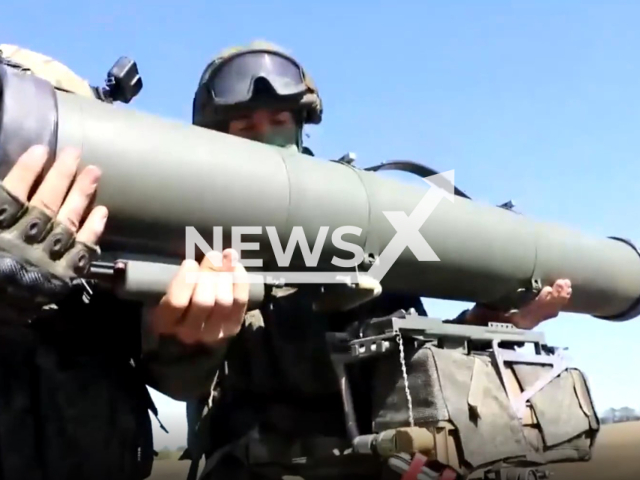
<point x="73" y="402"/>
<point x="277" y="398"/>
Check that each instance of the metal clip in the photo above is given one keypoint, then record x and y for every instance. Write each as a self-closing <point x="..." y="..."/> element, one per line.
<point x="348" y="158"/>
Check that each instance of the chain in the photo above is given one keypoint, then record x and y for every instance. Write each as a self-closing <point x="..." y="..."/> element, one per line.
<point x="405" y="377"/>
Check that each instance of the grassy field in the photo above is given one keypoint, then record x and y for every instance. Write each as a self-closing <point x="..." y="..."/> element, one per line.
<point x="616" y="457"/>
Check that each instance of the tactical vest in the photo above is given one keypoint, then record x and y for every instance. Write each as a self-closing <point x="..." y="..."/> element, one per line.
<point x="278" y="381"/>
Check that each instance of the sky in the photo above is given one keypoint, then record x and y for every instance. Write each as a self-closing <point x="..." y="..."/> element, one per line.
<point x="535" y="102"/>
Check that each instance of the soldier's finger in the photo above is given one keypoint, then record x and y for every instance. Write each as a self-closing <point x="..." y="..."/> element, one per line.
<point x="203" y="300"/>
<point x="93" y="227"/>
<point x="224" y="301"/>
<point x="565" y="285"/>
<point x="25" y="172"/>
<point x="177" y="299"/>
<point x="54" y="187"/>
<point x="79" y="198"/>
<point x="564" y="296"/>
<point x="241" y="288"/>
<point x="221" y="313"/>
<point x="229" y="259"/>
<point x="225" y="289"/>
<point x="545" y="294"/>
<point x="239" y="281"/>
<point x="561" y="291"/>
<point x="227" y="316"/>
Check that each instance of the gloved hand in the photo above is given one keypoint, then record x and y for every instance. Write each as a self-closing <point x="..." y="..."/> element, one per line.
<point x="44" y="246"/>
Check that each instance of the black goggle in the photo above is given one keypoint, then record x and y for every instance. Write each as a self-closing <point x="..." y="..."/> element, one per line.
<point x="234" y="80"/>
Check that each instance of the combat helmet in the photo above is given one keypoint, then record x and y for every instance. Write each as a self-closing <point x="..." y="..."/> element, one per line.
<point x="260" y="74"/>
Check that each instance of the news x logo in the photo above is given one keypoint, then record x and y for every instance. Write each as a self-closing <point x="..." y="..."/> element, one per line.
<point x="407" y="236"/>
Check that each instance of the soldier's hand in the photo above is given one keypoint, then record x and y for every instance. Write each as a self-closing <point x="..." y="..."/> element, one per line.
<point x="209" y="310"/>
<point x="44" y="243"/>
<point x="547" y="305"/>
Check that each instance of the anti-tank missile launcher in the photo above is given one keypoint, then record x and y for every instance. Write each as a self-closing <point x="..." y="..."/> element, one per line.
<point x="161" y="176"/>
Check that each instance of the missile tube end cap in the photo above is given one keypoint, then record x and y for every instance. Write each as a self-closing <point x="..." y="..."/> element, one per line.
<point x="634" y="310"/>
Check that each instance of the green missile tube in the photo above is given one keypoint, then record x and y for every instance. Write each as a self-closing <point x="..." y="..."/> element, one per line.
<point x="160" y="176"/>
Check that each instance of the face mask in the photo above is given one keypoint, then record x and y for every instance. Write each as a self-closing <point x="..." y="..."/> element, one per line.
<point x="284" y="137"/>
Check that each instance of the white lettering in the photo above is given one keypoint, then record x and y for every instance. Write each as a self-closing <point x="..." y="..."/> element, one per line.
<point x="358" y="253"/>
<point x="238" y="245"/>
<point x="193" y="239"/>
<point x="283" y="258"/>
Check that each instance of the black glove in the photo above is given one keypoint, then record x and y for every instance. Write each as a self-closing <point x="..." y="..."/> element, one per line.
<point x="40" y="260"/>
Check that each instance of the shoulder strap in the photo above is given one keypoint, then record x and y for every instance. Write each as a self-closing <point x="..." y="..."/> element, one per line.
<point x="412" y="167"/>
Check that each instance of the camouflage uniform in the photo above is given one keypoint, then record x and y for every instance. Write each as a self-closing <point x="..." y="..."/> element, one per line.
<point x="73" y="407"/>
<point x="59" y="75"/>
<point x="276" y="398"/>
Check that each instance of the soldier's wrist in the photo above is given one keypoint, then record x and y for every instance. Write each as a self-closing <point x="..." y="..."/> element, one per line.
<point x="475" y="316"/>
